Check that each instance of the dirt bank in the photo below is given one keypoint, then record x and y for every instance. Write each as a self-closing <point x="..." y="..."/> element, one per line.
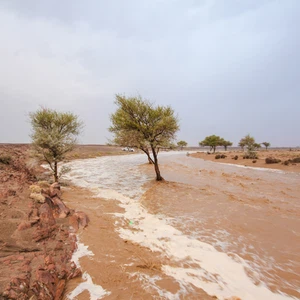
<point x="283" y="155"/>
<point x="36" y="243"/>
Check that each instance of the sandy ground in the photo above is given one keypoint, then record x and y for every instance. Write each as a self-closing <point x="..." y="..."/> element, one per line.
<point x="283" y="155"/>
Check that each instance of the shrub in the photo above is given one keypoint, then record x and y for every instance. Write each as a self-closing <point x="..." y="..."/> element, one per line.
<point x="254" y="161"/>
<point x="296" y="160"/>
<point x="235" y="157"/>
<point x="286" y="162"/>
<point x="5" y="159"/>
<point x="272" y="160"/>
<point x="250" y="155"/>
<point x="223" y="156"/>
<point x="218" y="156"/>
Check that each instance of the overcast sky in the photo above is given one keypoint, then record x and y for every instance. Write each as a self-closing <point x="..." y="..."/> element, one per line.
<point x="227" y="67"/>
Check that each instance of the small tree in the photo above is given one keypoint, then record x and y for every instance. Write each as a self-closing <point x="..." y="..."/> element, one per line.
<point x="225" y="144"/>
<point x="249" y="142"/>
<point x="256" y="146"/>
<point x="53" y="135"/>
<point x="138" y="123"/>
<point x="242" y="145"/>
<point x="213" y="141"/>
<point x="181" y="144"/>
<point x="266" y="144"/>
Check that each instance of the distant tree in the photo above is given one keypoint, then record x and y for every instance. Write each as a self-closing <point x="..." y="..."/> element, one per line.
<point x="182" y="144"/>
<point x="53" y="135"/>
<point x="225" y="143"/>
<point x="248" y="142"/>
<point x="213" y="141"/>
<point x="256" y="146"/>
<point x="266" y="144"/>
<point x="242" y="144"/>
<point x="138" y="123"/>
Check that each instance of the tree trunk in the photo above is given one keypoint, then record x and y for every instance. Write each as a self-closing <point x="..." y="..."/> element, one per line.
<point x="150" y="160"/>
<point x="55" y="172"/>
<point x="214" y="147"/>
<point x="156" y="168"/>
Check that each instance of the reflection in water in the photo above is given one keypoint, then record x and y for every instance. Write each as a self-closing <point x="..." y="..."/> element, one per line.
<point x="229" y="231"/>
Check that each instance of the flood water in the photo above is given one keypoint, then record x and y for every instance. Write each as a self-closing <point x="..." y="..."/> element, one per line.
<point x="231" y="231"/>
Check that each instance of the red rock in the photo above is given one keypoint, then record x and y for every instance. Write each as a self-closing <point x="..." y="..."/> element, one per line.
<point x="46" y="216"/>
<point x="63" y="209"/>
<point x="60" y="289"/>
<point x="48" y="260"/>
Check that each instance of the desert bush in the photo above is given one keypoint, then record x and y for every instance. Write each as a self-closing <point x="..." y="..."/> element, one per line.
<point x="272" y="160"/>
<point x="250" y="155"/>
<point x="235" y="157"/>
<point x="254" y="161"/>
<point x="286" y="162"/>
<point x="296" y="160"/>
<point x="5" y="159"/>
<point x="218" y="156"/>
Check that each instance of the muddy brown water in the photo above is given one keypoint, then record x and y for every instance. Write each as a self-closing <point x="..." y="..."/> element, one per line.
<point x="209" y="229"/>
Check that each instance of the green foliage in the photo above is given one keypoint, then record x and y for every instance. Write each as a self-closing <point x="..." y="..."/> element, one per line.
<point x="248" y="142"/>
<point x="225" y="143"/>
<point x="182" y="144"/>
<point x="53" y="135"/>
<point x="256" y="146"/>
<point x="266" y="144"/>
<point x="213" y="141"/>
<point x="5" y="159"/>
<point x="138" y="123"/>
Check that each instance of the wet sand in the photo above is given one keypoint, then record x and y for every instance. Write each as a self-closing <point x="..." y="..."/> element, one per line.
<point x="230" y="231"/>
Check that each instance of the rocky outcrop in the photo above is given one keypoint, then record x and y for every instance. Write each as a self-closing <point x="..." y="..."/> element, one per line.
<point x="36" y="243"/>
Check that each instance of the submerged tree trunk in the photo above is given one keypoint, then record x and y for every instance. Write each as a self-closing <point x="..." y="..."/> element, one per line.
<point x="55" y="172"/>
<point x="156" y="168"/>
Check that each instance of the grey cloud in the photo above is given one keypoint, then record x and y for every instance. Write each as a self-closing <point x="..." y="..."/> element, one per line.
<point x="227" y="67"/>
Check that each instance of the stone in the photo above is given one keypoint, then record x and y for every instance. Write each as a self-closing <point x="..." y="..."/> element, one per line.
<point x="46" y="216"/>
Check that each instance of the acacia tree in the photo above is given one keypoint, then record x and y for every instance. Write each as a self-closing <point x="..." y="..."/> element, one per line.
<point x="138" y="123"/>
<point x="181" y="144"/>
<point x="53" y="135"/>
<point x="266" y="144"/>
<point x="225" y="143"/>
<point x="213" y="141"/>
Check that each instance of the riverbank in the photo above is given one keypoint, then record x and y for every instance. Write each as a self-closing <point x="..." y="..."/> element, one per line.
<point x="236" y="157"/>
<point x="37" y="237"/>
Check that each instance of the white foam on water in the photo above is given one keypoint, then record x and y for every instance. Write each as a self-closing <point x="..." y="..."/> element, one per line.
<point x="216" y="272"/>
<point x="96" y="291"/>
